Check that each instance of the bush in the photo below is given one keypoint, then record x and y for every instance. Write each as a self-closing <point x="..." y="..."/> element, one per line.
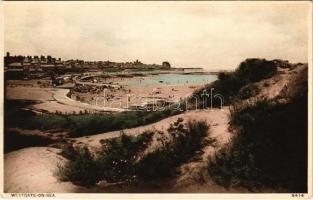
<point x="113" y="163"/>
<point x="68" y="151"/>
<point x="185" y="140"/>
<point x="249" y="90"/>
<point x="270" y="145"/>
<point x="254" y="70"/>
<point x="118" y="157"/>
<point x="158" y="165"/>
<point x="87" y="124"/>
<point x="48" y="121"/>
<point x="119" y="160"/>
<point x="81" y="169"/>
<point x="230" y="83"/>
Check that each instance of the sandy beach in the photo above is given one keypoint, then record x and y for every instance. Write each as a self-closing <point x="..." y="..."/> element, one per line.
<point x="49" y="99"/>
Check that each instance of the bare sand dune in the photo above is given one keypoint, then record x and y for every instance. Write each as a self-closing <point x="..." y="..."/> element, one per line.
<point x="32" y="170"/>
<point x="284" y="84"/>
<point x="215" y="117"/>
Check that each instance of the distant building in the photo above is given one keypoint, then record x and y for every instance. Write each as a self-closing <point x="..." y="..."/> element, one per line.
<point x="15" y="67"/>
<point x="43" y="60"/>
<point x="35" y="64"/>
<point x="26" y="63"/>
<point x="47" y="67"/>
<point x="192" y="70"/>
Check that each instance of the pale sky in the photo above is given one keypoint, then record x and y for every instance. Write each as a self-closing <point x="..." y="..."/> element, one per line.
<point x="212" y="35"/>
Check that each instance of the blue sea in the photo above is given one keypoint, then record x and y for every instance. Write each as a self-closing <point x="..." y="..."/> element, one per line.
<point x="172" y="79"/>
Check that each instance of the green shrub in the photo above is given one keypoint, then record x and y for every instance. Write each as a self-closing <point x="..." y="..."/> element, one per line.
<point x="254" y="70"/>
<point x="249" y="90"/>
<point x="120" y="159"/>
<point x="87" y="124"/>
<point x="68" y="151"/>
<point x="81" y="169"/>
<point x="47" y="121"/>
<point x="269" y="148"/>
<point x="185" y="140"/>
<point x="114" y="163"/>
<point x="230" y="83"/>
<point x="159" y="164"/>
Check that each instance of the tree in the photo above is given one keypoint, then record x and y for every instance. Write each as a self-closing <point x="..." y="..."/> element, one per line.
<point x="166" y="64"/>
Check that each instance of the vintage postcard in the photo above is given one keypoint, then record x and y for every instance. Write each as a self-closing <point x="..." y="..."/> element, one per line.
<point x="156" y="99"/>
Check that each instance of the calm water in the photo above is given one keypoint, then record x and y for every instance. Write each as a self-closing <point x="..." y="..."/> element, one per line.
<point x="173" y="79"/>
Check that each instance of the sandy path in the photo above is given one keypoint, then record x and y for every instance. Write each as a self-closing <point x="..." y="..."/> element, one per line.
<point x="52" y="100"/>
<point x="60" y="96"/>
<point x="44" y="95"/>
